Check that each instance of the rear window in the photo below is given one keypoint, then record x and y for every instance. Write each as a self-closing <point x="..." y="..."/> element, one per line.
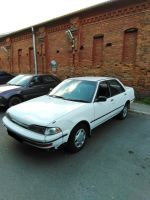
<point x="48" y="79"/>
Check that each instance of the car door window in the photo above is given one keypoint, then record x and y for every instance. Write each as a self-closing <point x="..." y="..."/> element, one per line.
<point x="47" y="79"/>
<point x="115" y="87"/>
<point x="102" y="110"/>
<point x="103" y="90"/>
<point x="36" y="80"/>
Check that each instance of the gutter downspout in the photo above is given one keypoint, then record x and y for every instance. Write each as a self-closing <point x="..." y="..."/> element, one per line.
<point x="34" y="49"/>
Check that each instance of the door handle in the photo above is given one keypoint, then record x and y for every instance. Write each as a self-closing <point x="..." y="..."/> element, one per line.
<point x="112" y="100"/>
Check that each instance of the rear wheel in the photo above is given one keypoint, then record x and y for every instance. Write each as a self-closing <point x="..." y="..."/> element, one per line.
<point x="123" y="114"/>
<point x="14" y="101"/>
<point x="77" y="138"/>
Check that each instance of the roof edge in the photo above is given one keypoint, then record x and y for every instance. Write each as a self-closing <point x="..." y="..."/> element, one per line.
<point x="83" y="10"/>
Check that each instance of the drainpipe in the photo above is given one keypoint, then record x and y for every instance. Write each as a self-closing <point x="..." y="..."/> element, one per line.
<point x="72" y="39"/>
<point x="34" y="50"/>
<point x="73" y="54"/>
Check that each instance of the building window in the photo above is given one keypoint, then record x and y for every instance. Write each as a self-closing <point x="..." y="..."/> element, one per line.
<point x="31" y="59"/>
<point x="98" y="41"/>
<point x="19" y="59"/>
<point x="130" y="45"/>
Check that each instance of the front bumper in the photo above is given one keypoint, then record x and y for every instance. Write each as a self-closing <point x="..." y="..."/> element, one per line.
<point x="24" y="135"/>
<point x="43" y="145"/>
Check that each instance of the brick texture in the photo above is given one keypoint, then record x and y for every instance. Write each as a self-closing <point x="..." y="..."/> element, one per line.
<point x="103" y="47"/>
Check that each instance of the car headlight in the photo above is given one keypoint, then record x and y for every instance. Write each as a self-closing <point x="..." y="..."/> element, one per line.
<point x="37" y="129"/>
<point x="52" y="131"/>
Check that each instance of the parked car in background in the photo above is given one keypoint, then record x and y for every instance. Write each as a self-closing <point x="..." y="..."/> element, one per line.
<point x="69" y="113"/>
<point x="24" y="87"/>
<point x="5" y="77"/>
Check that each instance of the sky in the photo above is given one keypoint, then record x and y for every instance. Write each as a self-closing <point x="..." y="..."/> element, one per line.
<point x="19" y="14"/>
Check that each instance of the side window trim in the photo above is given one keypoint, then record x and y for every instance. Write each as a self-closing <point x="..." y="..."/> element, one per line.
<point x="109" y="89"/>
<point x="98" y="89"/>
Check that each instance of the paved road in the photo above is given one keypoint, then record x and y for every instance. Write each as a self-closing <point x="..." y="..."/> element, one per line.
<point x="115" y="165"/>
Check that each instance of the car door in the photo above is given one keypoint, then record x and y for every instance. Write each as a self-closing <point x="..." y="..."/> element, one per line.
<point x="117" y="96"/>
<point x="102" y="109"/>
<point x="48" y="82"/>
<point x="35" y="88"/>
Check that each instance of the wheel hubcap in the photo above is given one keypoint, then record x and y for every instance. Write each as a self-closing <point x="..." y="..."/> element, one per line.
<point x="80" y="138"/>
<point x="125" y="110"/>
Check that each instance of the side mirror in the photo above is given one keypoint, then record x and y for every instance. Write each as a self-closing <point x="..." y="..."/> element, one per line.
<point x="101" y="99"/>
<point x="50" y="89"/>
<point x="31" y="84"/>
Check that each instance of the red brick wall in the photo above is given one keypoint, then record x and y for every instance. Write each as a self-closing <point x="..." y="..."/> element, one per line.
<point x="23" y="42"/>
<point x="125" y="55"/>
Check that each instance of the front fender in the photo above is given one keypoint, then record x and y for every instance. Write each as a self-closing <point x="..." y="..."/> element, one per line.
<point x="68" y="121"/>
<point x="9" y="94"/>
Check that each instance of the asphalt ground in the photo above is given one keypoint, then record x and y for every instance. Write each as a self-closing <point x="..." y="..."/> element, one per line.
<point x="114" y="165"/>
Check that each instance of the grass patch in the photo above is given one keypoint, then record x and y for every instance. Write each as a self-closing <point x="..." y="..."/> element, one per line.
<point x="144" y="101"/>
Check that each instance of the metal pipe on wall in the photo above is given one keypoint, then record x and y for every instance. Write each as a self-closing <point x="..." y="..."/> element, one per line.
<point x="34" y="50"/>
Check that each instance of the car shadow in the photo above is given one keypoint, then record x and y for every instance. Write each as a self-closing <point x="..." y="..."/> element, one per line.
<point x="101" y="137"/>
<point x="35" y="154"/>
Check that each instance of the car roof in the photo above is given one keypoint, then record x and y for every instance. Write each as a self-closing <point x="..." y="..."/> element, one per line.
<point x="93" y="78"/>
<point x="36" y="74"/>
<point x="32" y="75"/>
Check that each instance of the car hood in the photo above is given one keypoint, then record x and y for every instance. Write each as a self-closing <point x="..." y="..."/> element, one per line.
<point x="6" y="88"/>
<point x="42" y="110"/>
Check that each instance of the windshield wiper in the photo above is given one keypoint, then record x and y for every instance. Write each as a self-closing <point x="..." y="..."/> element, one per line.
<point x="55" y="96"/>
<point x="78" y="100"/>
<point x="13" y="84"/>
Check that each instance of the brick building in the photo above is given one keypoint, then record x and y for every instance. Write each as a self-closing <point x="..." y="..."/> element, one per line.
<point x="111" y="39"/>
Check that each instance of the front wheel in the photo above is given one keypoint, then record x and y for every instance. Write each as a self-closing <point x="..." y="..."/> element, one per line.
<point x="123" y="114"/>
<point x="14" y="101"/>
<point x="77" y="138"/>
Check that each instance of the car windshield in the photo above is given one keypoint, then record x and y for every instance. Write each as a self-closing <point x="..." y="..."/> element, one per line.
<point x="20" y="80"/>
<point x="75" y="90"/>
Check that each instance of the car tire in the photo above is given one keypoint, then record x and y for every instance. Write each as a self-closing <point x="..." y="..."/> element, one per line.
<point x="123" y="114"/>
<point x="77" y="138"/>
<point x="14" y="101"/>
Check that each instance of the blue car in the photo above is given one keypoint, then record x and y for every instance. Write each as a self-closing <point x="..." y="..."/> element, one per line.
<point x="24" y="87"/>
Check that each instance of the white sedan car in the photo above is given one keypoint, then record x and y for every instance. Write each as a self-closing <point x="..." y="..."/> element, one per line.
<point x="69" y="113"/>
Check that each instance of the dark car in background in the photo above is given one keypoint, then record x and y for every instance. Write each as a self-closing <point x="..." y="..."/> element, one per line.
<point x="5" y="77"/>
<point x="24" y="87"/>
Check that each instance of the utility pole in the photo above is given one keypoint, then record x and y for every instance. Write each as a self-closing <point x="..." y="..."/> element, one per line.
<point x="34" y="50"/>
